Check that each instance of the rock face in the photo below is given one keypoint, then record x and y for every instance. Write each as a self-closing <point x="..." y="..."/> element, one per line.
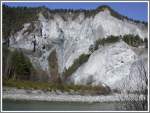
<point x="71" y="37"/>
<point x="114" y="65"/>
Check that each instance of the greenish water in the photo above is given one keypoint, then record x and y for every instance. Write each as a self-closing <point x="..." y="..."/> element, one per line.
<point x="22" y="105"/>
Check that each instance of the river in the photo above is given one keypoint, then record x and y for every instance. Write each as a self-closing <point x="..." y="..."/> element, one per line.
<point x="24" y="105"/>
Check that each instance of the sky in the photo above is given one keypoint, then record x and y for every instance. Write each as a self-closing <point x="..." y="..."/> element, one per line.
<point x="134" y="10"/>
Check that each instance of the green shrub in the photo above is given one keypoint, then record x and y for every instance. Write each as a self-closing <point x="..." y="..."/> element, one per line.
<point x="77" y="63"/>
<point x="112" y="39"/>
<point x="132" y="40"/>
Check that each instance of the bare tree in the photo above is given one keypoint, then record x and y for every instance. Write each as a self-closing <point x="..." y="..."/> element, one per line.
<point x="136" y="99"/>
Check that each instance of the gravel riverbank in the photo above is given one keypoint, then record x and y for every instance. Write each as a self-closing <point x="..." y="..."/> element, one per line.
<point x="22" y="94"/>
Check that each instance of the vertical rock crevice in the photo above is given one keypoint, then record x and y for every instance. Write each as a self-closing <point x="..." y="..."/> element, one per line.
<point x="53" y="66"/>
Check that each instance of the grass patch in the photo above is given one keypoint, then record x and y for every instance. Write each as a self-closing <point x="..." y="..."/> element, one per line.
<point x="45" y="86"/>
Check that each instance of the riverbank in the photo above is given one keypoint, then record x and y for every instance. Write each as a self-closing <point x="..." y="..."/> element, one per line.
<point x="23" y="94"/>
<point x="57" y="87"/>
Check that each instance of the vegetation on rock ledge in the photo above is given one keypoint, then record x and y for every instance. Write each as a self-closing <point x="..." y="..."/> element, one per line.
<point x="76" y="64"/>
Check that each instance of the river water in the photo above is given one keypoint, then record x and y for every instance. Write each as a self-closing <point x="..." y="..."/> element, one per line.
<point x="24" y="105"/>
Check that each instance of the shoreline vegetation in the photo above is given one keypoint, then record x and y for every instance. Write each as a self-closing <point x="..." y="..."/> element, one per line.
<point x="38" y="91"/>
<point x="54" y="87"/>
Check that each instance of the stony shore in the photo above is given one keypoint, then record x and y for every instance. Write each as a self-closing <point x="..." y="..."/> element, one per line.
<point x="22" y="94"/>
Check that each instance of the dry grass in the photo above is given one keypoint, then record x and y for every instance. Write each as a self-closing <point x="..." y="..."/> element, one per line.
<point x="45" y="86"/>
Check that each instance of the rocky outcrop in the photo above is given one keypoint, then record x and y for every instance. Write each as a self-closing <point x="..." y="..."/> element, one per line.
<point x="71" y="34"/>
